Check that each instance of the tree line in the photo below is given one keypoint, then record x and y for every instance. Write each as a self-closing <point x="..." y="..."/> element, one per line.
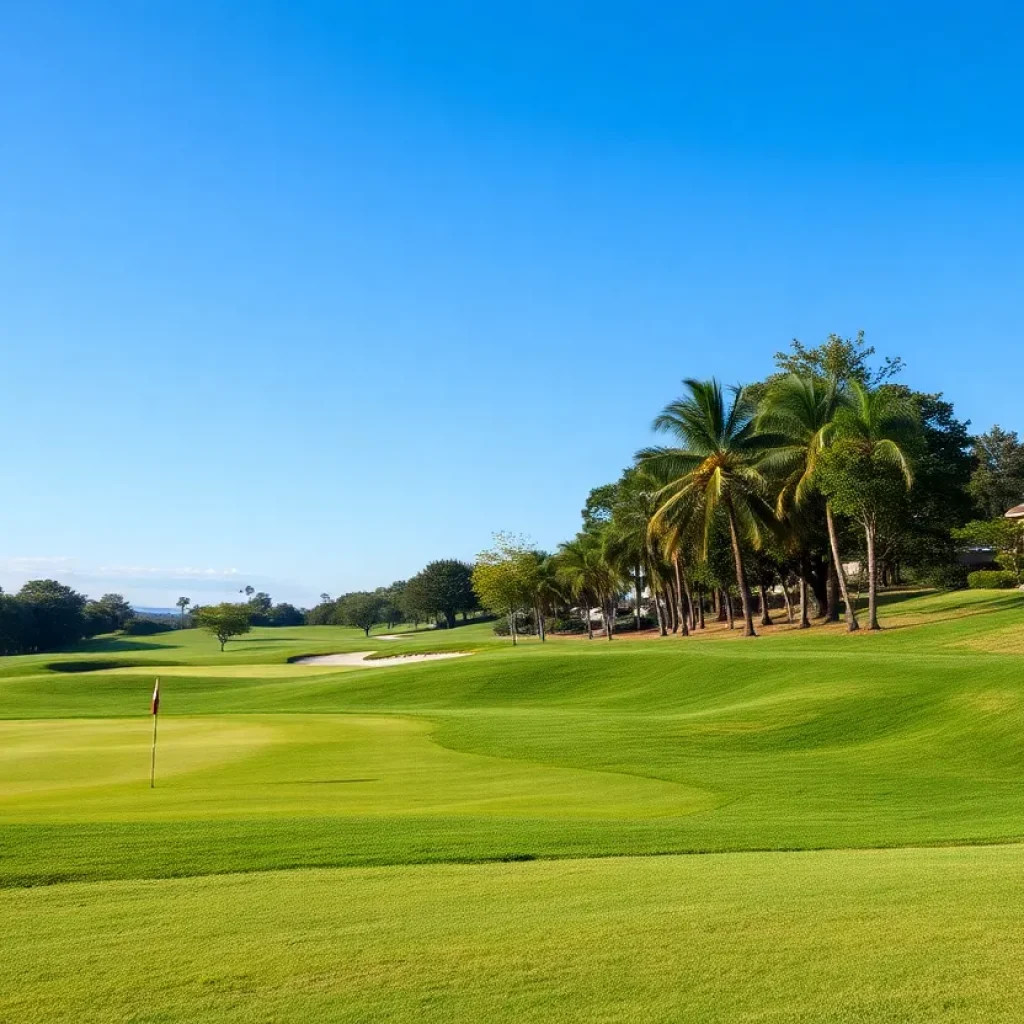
<point x="45" y="615"/>
<point x="778" y="489"/>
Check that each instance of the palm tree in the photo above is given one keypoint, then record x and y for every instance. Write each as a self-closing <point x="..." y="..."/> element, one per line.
<point x="589" y="577"/>
<point x="802" y="413"/>
<point x="628" y="542"/>
<point x="548" y="591"/>
<point x="715" y="467"/>
<point x="183" y="603"/>
<point x="868" y="452"/>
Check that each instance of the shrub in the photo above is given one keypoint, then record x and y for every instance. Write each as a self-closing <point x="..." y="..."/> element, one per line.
<point x="946" y="577"/>
<point x="524" y="625"/>
<point x="566" y="626"/>
<point x="992" y="579"/>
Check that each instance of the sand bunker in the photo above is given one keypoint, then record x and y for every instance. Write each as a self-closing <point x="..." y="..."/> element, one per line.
<point x="359" y="658"/>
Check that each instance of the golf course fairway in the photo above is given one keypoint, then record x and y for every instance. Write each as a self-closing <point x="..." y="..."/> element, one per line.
<point x="807" y="826"/>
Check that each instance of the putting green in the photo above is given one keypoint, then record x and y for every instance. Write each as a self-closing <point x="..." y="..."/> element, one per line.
<point x="334" y="765"/>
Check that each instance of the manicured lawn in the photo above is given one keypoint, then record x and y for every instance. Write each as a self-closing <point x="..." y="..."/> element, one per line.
<point x="896" y="936"/>
<point x="399" y="776"/>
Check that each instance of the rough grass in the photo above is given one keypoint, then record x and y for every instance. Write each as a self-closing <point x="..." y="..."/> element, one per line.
<point x="796" y="741"/>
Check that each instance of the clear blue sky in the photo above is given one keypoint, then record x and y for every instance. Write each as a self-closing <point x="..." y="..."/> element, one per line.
<point x="318" y="292"/>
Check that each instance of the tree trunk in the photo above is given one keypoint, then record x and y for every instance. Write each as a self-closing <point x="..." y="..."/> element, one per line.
<point x="832" y="607"/>
<point x="805" y="622"/>
<point x="869" y="535"/>
<point x="727" y="606"/>
<point x="741" y="576"/>
<point x="851" y="615"/>
<point x="539" y="617"/>
<point x="789" y="603"/>
<point x="766" y="619"/>
<point x="684" y="597"/>
<point x="586" y="618"/>
<point x="636" y="597"/>
<point x="700" y="607"/>
<point x="817" y="579"/>
<point x="512" y="627"/>
<point x="661" y="618"/>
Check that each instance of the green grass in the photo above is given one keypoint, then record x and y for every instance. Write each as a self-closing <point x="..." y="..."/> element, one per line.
<point x="794" y="742"/>
<point x="889" y="936"/>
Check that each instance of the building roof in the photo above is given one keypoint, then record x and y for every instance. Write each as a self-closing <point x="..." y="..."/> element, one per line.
<point x="1017" y="512"/>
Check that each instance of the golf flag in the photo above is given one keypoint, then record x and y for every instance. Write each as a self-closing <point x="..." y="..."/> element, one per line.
<point x="156" y="699"/>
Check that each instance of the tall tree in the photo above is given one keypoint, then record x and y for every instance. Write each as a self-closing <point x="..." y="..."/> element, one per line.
<point x="183" y="603"/>
<point x="505" y="578"/>
<point x="838" y="360"/>
<point x="445" y="587"/>
<point x="590" y="577"/>
<point x="866" y="465"/>
<point x="997" y="483"/>
<point x="800" y="412"/>
<point x="714" y="467"/>
<point x="628" y="541"/>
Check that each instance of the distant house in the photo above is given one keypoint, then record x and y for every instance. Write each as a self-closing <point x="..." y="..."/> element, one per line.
<point x="1017" y="512"/>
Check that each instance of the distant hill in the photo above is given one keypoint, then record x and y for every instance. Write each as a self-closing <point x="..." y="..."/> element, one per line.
<point x="156" y="611"/>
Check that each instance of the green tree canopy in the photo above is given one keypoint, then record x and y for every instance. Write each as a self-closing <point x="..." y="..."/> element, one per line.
<point x="997" y="483"/>
<point x="223" y="621"/>
<point x="57" y="614"/>
<point x="505" y="577"/>
<point x="359" y="609"/>
<point x="444" y="587"/>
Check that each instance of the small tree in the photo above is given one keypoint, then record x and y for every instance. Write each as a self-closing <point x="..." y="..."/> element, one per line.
<point x="360" y="609"/>
<point x="505" y="577"/>
<point x="224" y="621"/>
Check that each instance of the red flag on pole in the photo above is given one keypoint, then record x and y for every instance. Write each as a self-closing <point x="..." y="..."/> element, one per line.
<point x="156" y="699"/>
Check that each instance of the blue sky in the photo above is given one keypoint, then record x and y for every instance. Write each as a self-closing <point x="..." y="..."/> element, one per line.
<point x="304" y="295"/>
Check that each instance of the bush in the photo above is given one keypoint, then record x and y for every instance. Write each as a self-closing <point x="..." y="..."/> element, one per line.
<point x="573" y="625"/>
<point x="524" y="625"/>
<point x="945" y="577"/>
<point x="992" y="579"/>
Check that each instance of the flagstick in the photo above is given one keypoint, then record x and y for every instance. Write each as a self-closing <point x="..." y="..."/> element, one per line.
<point x="152" y="769"/>
<point x="156" y="718"/>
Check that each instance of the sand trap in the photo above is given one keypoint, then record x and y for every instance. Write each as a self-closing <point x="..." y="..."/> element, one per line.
<point x="359" y="658"/>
